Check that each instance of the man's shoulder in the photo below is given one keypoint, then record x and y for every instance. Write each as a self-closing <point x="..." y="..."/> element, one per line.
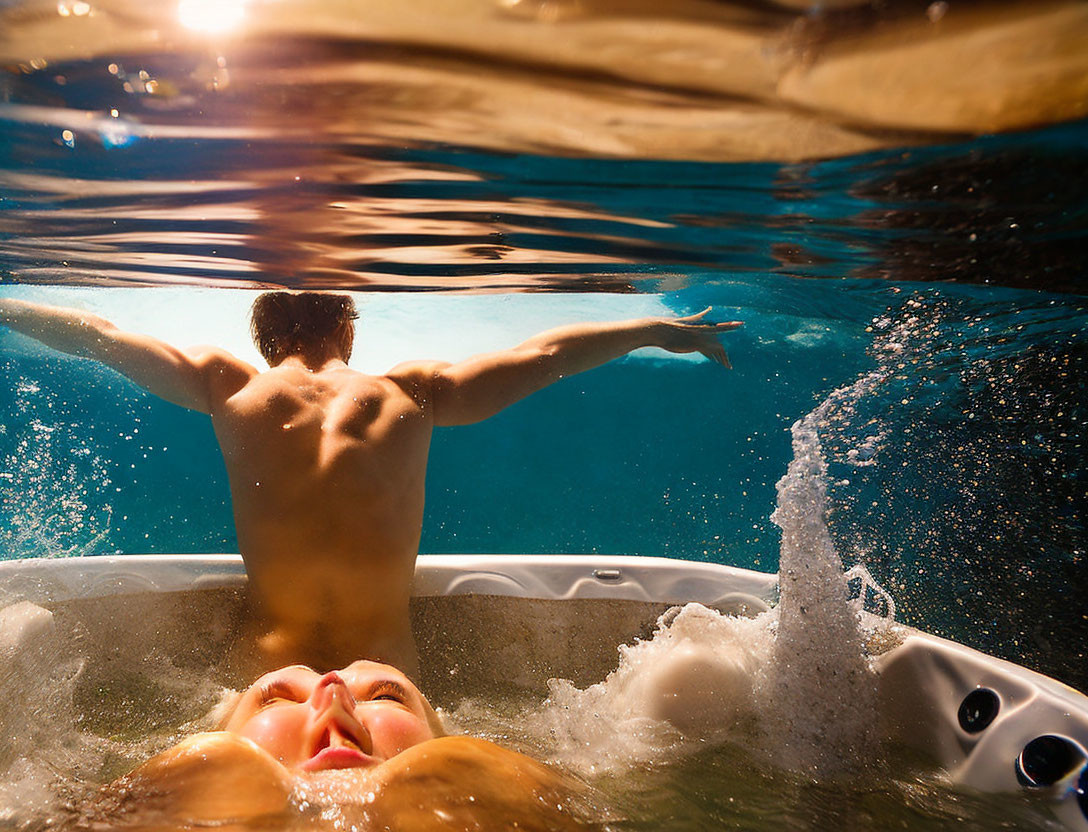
<point x="205" y="355"/>
<point x="224" y="373"/>
<point x="416" y="372"/>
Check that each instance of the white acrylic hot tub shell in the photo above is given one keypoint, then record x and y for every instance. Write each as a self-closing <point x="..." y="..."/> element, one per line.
<point x="923" y="679"/>
<point x="547" y="577"/>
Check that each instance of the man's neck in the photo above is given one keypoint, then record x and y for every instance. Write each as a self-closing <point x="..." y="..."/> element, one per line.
<point x="313" y="363"/>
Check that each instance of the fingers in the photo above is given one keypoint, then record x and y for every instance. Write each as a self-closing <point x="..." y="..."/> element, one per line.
<point x="718" y="356"/>
<point x="689" y="318"/>
<point x="702" y="335"/>
<point x="696" y="321"/>
<point x="724" y="326"/>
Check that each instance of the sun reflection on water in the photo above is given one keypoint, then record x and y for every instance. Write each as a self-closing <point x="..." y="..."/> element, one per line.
<point x="213" y="16"/>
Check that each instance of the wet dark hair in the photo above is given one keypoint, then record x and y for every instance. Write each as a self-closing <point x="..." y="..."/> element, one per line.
<point x="290" y="323"/>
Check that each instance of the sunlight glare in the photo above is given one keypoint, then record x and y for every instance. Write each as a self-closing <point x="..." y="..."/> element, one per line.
<point x="211" y="15"/>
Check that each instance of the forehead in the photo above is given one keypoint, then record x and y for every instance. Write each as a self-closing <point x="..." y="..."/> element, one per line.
<point x="298" y="672"/>
<point x="363" y="671"/>
<point x="358" y="672"/>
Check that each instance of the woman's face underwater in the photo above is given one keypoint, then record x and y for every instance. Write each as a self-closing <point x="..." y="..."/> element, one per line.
<point x="357" y="717"/>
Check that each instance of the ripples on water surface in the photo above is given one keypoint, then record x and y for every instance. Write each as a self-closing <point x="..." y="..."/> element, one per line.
<point x="821" y="176"/>
<point x="416" y="147"/>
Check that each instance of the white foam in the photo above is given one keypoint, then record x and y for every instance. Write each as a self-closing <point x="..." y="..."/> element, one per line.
<point x="51" y="759"/>
<point x="39" y="738"/>
<point x="698" y="678"/>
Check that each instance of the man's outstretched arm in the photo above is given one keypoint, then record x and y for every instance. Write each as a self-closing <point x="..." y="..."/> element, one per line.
<point x="188" y="378"/>
<point x="474" y="389"/>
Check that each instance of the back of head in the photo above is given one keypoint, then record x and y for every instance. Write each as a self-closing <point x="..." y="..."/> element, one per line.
<point x="302" y="323"/>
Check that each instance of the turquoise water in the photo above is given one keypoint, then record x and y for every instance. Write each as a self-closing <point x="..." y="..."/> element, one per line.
<point x="965" y="491"/>
<point x="952" y="267"/>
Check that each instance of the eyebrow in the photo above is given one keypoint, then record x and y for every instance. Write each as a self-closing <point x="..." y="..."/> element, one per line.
<point x="388" y="683"/>
<point x="279" y="680"/>
<point x="275" y="687"/>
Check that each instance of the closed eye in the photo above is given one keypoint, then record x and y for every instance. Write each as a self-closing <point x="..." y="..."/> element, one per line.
<point x="277" y="690"/>
<point x="388" y="690"/>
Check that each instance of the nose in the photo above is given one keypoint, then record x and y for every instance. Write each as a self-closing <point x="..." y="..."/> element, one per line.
<point x="331" y="690"/>
<point x="333" y="716"/>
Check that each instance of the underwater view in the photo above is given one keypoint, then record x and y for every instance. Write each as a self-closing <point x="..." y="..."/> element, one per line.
<point x="890" y="196"/>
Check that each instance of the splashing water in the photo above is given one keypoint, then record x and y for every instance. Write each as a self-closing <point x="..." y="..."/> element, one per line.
<point x="967" y="504"/>
<point x="823" y="686"/>
<point x="48" y="475"/>
<point x="71" y="719"/>
<point x="794" y="683"/>
<point x="714" y="663"/>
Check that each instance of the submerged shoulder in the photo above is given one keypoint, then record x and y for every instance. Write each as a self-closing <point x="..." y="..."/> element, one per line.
<point x="507" y="790"/>
<point x="489" y="770"/>
<point x="203" y="779"/>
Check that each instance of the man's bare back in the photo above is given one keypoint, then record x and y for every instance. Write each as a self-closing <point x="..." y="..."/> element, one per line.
<point x="327" y="465"/>
<point x="327" y="471"/>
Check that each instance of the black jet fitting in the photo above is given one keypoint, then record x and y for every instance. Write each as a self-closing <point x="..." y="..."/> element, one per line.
<point x="1047" y="759"/>
<point x="978" y="709"/>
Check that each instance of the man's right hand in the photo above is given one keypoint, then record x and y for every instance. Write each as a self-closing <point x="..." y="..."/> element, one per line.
<point x="692" y="334"/>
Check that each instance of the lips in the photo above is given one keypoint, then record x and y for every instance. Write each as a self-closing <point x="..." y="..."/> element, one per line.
<point x="341" y="756"/>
